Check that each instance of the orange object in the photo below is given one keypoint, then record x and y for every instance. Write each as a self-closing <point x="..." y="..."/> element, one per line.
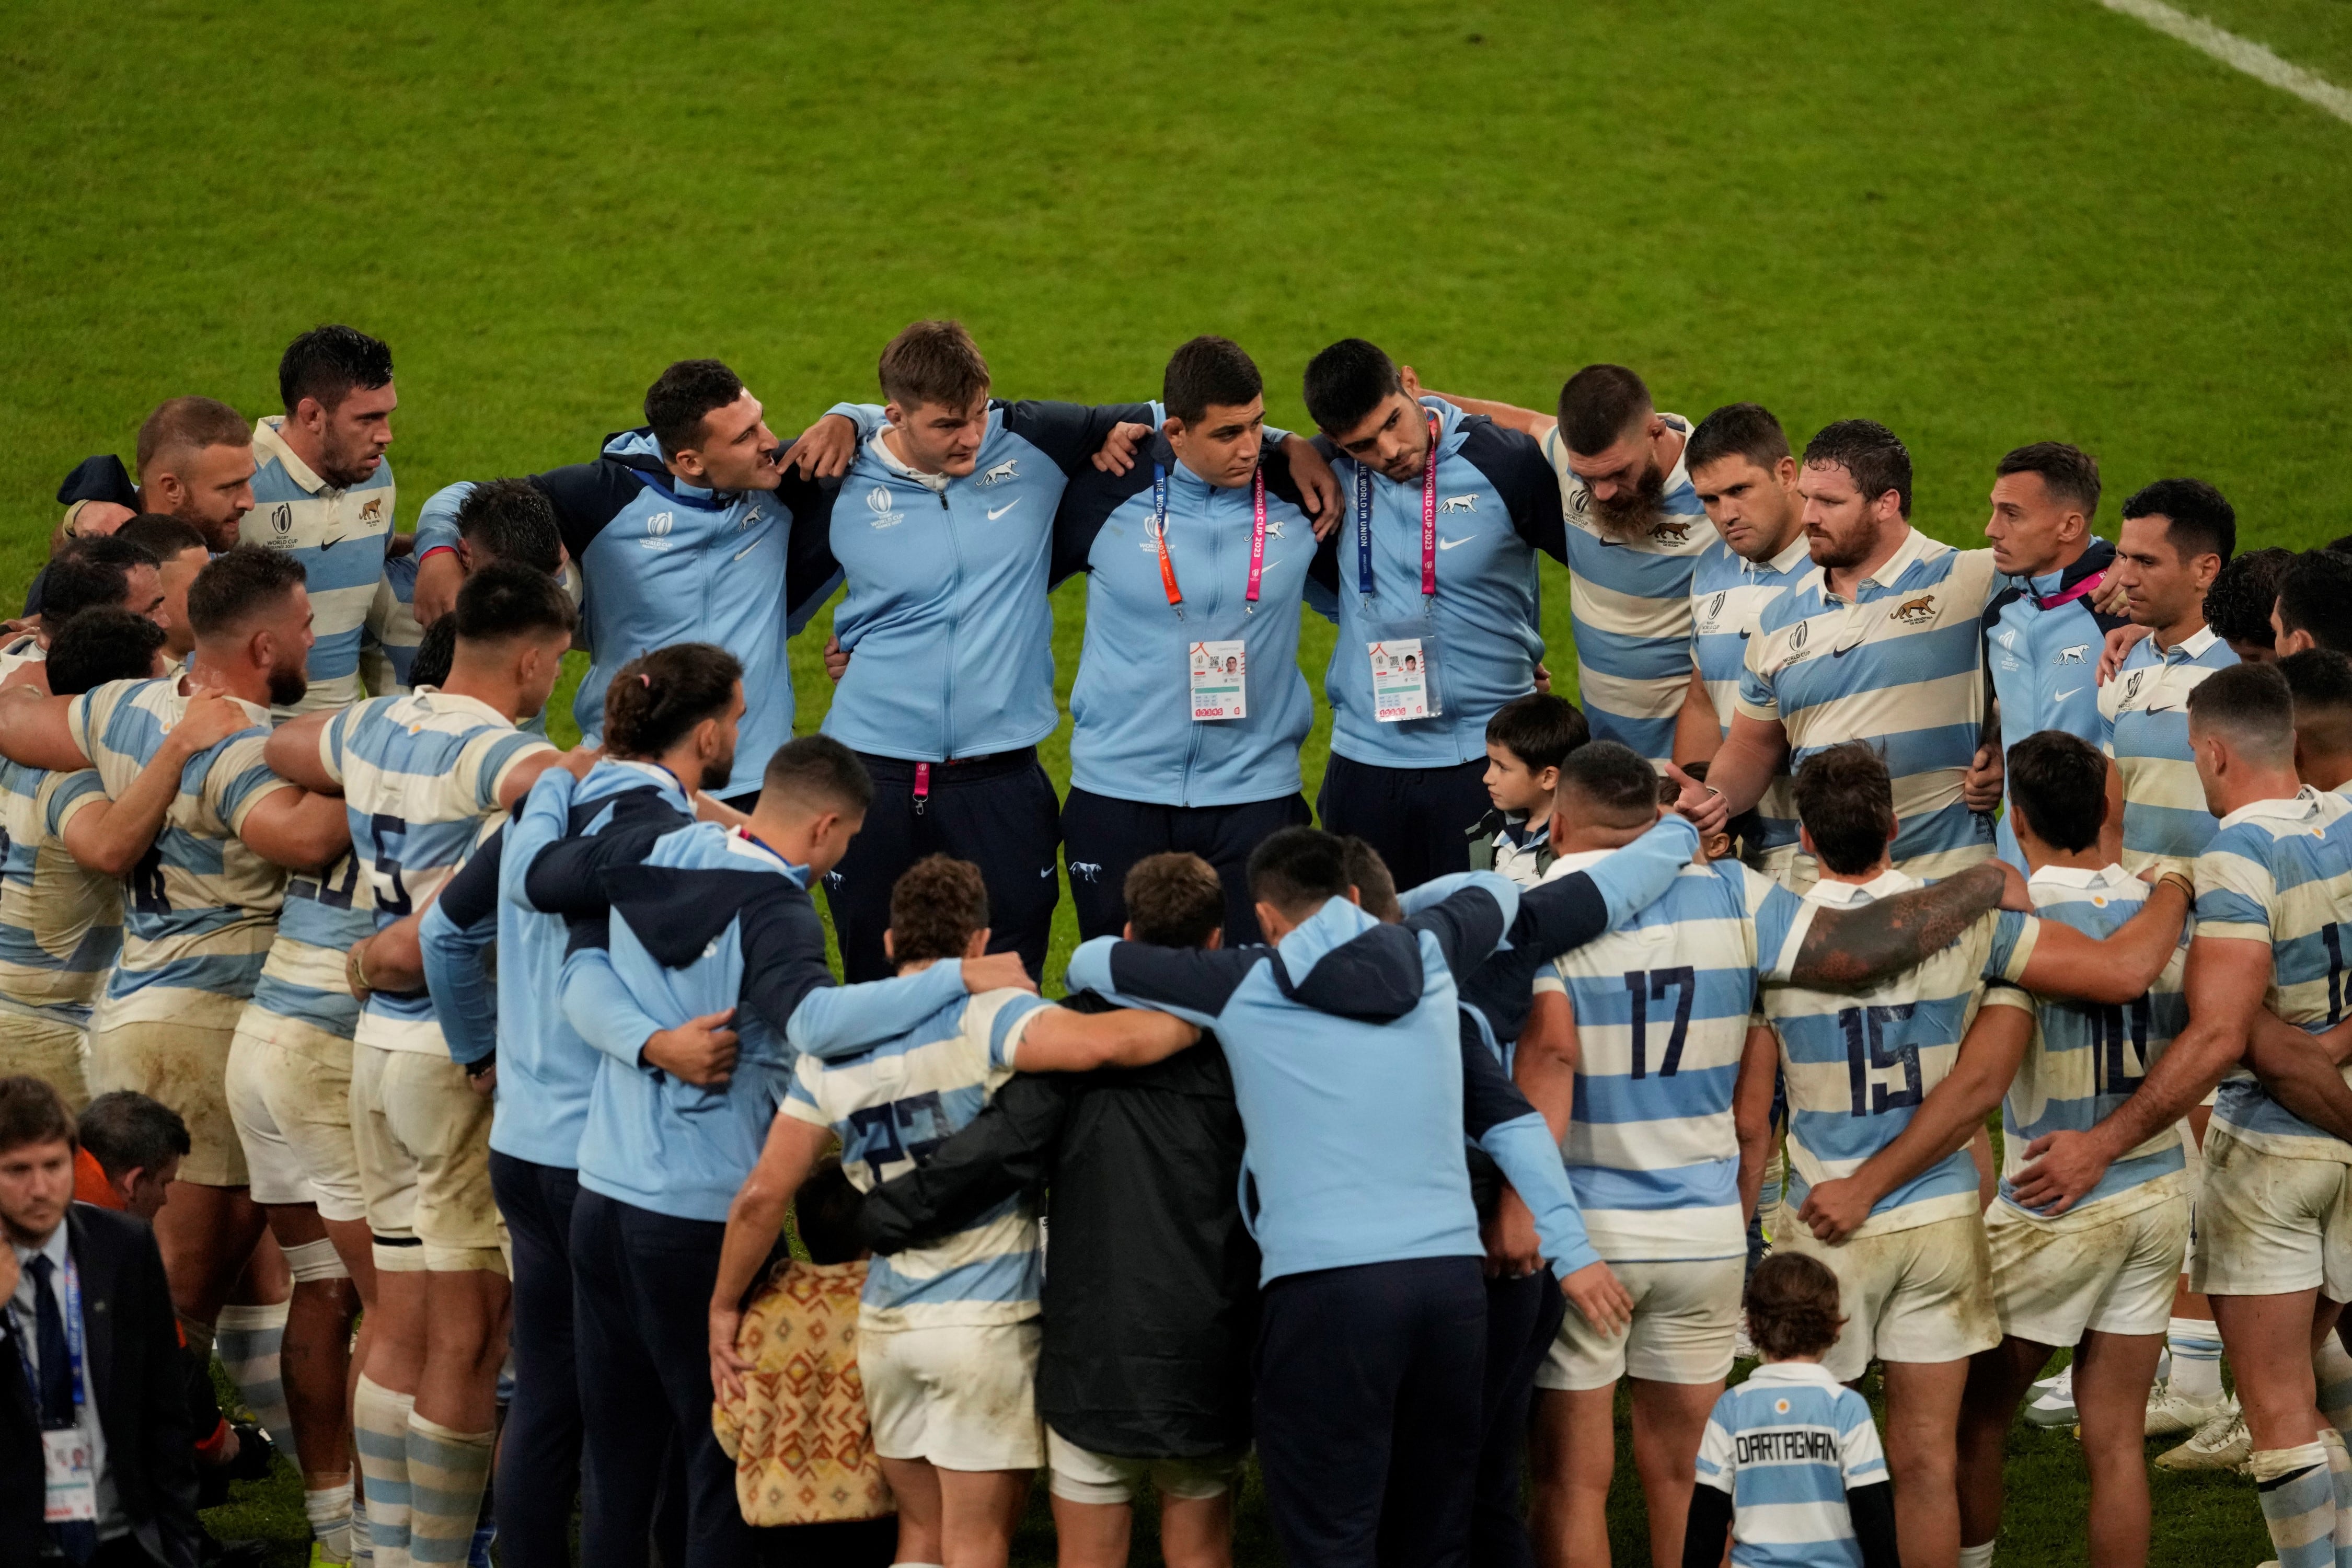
<point x="90" y="1186"/>
<point x="803" y="1453"/>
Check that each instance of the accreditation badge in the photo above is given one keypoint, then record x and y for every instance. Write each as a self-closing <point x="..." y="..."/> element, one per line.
<point x="1220" y="674"/>
<point x="1403" y="686"/>
<point x="72" y="1490"/>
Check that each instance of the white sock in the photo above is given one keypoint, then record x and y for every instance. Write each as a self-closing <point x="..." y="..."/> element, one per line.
<point x="248" y="1340"/>
<point x="1977" y="1556"/>
<point x="2196" y="1347"/>
<point x="328" y="1509"/>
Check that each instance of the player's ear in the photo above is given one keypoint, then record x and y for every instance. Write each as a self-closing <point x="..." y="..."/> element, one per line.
<point x="1213" y="940"/>
<point x="978" y="946"/>
<point x="889" y="948"/>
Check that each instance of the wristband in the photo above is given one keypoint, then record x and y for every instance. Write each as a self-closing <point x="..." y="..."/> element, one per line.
<point x="436" y="550"/>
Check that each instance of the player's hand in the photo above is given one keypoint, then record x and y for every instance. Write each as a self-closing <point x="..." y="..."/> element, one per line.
<point x="994" y="971"/>
<point x="1315" y="482"/>
<point x="1594" y="1291"/>
<point x="2059" y="1168"/>
<point x="2111" y="597"/>
<point x="727" y="1366"/>
<point x="210" y="717"/>
<point x="825" y="450"/>
<point x="1707" y="808"/>
<point x="485" y="1083"/>
<point x="99" y="518"/>
<point x="580" y="761"/>
<point x="396" y="546"/>
<point x="701" y="1050"/>
<point x="2119" y="643"/>
<point x="1117" y="453"/>
<point x="1835" y="1210"/>
<point x="1543" y="678"/>
<point x="1512" y="1249"/>
<point x="438" y="577"/>
<point x="1980" y="786"/>
<point x="836" y="659"/>
<point x="7" y="1272"/>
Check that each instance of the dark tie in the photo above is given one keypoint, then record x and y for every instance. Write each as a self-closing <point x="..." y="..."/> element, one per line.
<point x="76" y="1538"/>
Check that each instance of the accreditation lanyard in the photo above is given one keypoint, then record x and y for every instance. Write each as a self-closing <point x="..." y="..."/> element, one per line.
<point x="26" y="1335"/>
<point x="1159" y="537"/>
<point x="1428" y="521"/>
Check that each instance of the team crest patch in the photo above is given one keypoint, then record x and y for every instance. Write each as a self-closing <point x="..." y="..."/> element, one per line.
<point x="1671" y="532"/>
<point x="2078" y="654"/>
<point x="1915" y="612"/>
<point x="372" y="512"/>
<point x="1008" y="470"/>
<point x="1458" y="503"/>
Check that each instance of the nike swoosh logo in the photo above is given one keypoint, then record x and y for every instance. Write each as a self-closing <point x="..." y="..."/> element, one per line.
<point x="1450" y="544"/>
<point x="331" y="544"/>
<point x="2062" y="696"/>
<point x="1000" y="511"/>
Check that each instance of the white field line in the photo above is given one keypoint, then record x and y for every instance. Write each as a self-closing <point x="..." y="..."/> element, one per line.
<point x="2239" y="54"/>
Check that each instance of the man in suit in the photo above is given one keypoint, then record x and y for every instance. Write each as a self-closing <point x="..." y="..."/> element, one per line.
<point x="90" y="1396"/>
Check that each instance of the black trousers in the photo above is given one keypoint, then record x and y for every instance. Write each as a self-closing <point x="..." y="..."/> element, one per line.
<point x="1102" y="838"/>
<point x="1368" y="1406"/>
<point x="1416" y="817"/>
<point x="538" y="1456"/>
<point x="997" y="811"/>
<point x="641" y="1312"/>
<point x="1522" y="1317"/>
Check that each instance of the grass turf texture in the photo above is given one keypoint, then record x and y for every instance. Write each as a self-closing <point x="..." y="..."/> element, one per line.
<point x="1984" y="224"/>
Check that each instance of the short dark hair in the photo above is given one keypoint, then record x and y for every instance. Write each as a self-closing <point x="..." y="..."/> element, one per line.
<point x="512" y="519"/>
<point x="2059" y="782"/>
<point x="1744" y="429"/>
<point x="1792" y="1306"/>
<point x="817" y="771"/>
<point x="31" y="1111"/>
<point x="125" y="1131"/>
<point x="2250" y="702"/>
<point x="1209" y="371"/>
<point x="1845" y="801"/>
<point x="1346" y="381"/>
<point x="1298" y="866"/>
<point x="2237" y="605"/>
<point x="1539" y="728"/>
<point x="2068" y="473"/>
<point x="824" y="1212"/>
<point x="1174" y="899"/>
<point x="2341" y="544"/>
<point x="162" y="536"/>
<point x="1599" y="404"/>
<point x="1617" y="781"/>
<point x="2315" y="595"/>
<point x="189" y="424"/>
<point x="1374" y="883"/>
<point x="936" y="906"/>
<point x="88" y="574"/>
<point x="2319" y="681"/>
<point x="237" y="585"/>
<point x="1873" y="453"/>
<point x="2198" y="519"/>
<point x="104" y="643"/>
<point x="935" y="363"/>
<point x="507" y="599"/>
<point x="329" y="363"/>
<point x="657" y="698"/>
<point x="682" y="398"/>
<point x="436" y="650"/>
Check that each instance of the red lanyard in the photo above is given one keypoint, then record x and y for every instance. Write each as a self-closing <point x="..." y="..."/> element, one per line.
<point x="1429" y="517"/>
<point x="1159" y="537"/>
<point x="2071" y="594"/>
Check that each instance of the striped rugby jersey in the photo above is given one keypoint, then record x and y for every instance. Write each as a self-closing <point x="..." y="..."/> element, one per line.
<point x="420" y="776"/>
<point x="1662" y="1011"/>
<point x="1787" y="1445"/>
<point x="2145" y="711"/>
<point x="1729" y="593"/>
<point x="2280" y="871"/>
<point x="1630" y="607"/>
<point x="1858" y="1066"/>
<point x="388" y="637"/>
<point x="1901" y="668"/>
<point x="60" y="925"/>
<point x="339" y="537"/>
<point x="892" y="1106"/>
<point x="20" y="651"/>
<point x="303" y="978"/>
<point x="201" y="907"/>
<point x="2087" y="1058"/>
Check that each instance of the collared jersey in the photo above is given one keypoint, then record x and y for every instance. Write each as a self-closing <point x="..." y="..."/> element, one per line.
<point x="2280" y="871"/>
<point x="1661" y="1012"/>
<point x="2144" y="711"/>
<point x="2087" y="1058"/>
<point x="20" y="651"/>
<point x="1132" y="734"/>
<point x="1497" y="504"/>
<point x="1729" y="594"/>
<point x="1787" y="1445"/>
<point x="420" y="776"/>
<point x="892" y="1106"/>
<point x="60" y="925"/>
<point x="202" y="907"/>
<point x="339" y="537"/>
<point x="2044" y="658"/>
<point x="1859" y="1066"/>
<point x="1899" y="668"/>
<point x="392" y="633"/>
<point x="1630" y="605"/>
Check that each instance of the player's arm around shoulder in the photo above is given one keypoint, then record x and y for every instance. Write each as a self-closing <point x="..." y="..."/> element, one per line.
<point x="2118" y="969"/>
<point x="754" y="1220"/>
<point x="1046" y="1038"/>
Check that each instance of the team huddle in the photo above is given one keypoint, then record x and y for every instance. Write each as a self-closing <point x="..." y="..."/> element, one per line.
<point x="487" y="1088"/>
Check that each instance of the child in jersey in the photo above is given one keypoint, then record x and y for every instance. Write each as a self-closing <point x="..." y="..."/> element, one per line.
<point x="1526" y="740"/>
<point x="1790" y="1467"/>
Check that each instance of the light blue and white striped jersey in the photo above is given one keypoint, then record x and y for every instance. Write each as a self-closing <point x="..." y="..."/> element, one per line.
<point x="2087" y="1058"/>
<point x="892" y="1106"/>
<point x="1630" y="607"/>
<point x="2280" y="871"/>
<point x="202" y="908"/>
<point x="1661" y="1009"/>
<point x="1902" y="669"/>
<point x="303" y="978"/>
<point x="338" y="536"/>
<point x="1787" y="1445"/>
<point x="19" y="652"/>
<point x="420" y="776"/>
<point x="2145" y="710"/>
<point x="1729" y="593"/>
<point x="1858" y="1066"/>
<point x="60" y="925"/>
<point x="389" y="638"/>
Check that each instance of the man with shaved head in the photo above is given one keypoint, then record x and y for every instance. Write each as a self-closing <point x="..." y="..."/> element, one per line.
<point x="194" y="459"/>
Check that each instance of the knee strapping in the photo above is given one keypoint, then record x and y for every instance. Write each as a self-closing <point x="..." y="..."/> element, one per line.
<point x="314" y="1260"/>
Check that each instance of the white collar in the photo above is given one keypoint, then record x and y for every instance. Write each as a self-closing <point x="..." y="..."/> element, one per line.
<point x="1915" y="547"/>
<point x="2108" y="876"/>
<point x="54" y="1249"/>
<point x="1799" y="552"/>
<point x="1794" y="1373"/>
<point x="2303" y="804"/>
<point x="178" y="676"/>
<point x="271" y="443"/>
<point x="436" y="701"/>
<point x="936" y="483"/>
<point x="1885" y="885"/>
<point x="2193" y="645"/>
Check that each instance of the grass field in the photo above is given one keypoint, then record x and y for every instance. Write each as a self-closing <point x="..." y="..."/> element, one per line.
<point x="1985" y="224"/>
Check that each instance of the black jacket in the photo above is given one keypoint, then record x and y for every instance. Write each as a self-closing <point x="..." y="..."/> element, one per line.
<point x="132" y="1345"/>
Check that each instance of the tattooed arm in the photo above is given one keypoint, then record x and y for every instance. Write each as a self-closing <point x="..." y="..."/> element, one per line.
<point x="1853" y="948"/>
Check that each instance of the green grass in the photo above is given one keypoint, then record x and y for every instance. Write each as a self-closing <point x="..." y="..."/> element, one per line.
<point x="1984" y="223"/>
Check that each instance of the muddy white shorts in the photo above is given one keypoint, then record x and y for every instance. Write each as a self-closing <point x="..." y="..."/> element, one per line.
<point x="2267" y="1226"/>
<point x="962" y="1396"/>
<point x="424" y="1142"/>
<point x="289" y="1091"/>
<point x="182" y="1061"/>
<point x="2054" y="1278"/>
<point x="50" y="1049"/>
<point x="1685" y="1321"/>
<point x="1081" y="1475"/>
<point x="1921" y="1294"/>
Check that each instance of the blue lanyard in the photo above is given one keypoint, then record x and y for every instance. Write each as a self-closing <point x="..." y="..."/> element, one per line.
<point x="73" y="1339"/>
